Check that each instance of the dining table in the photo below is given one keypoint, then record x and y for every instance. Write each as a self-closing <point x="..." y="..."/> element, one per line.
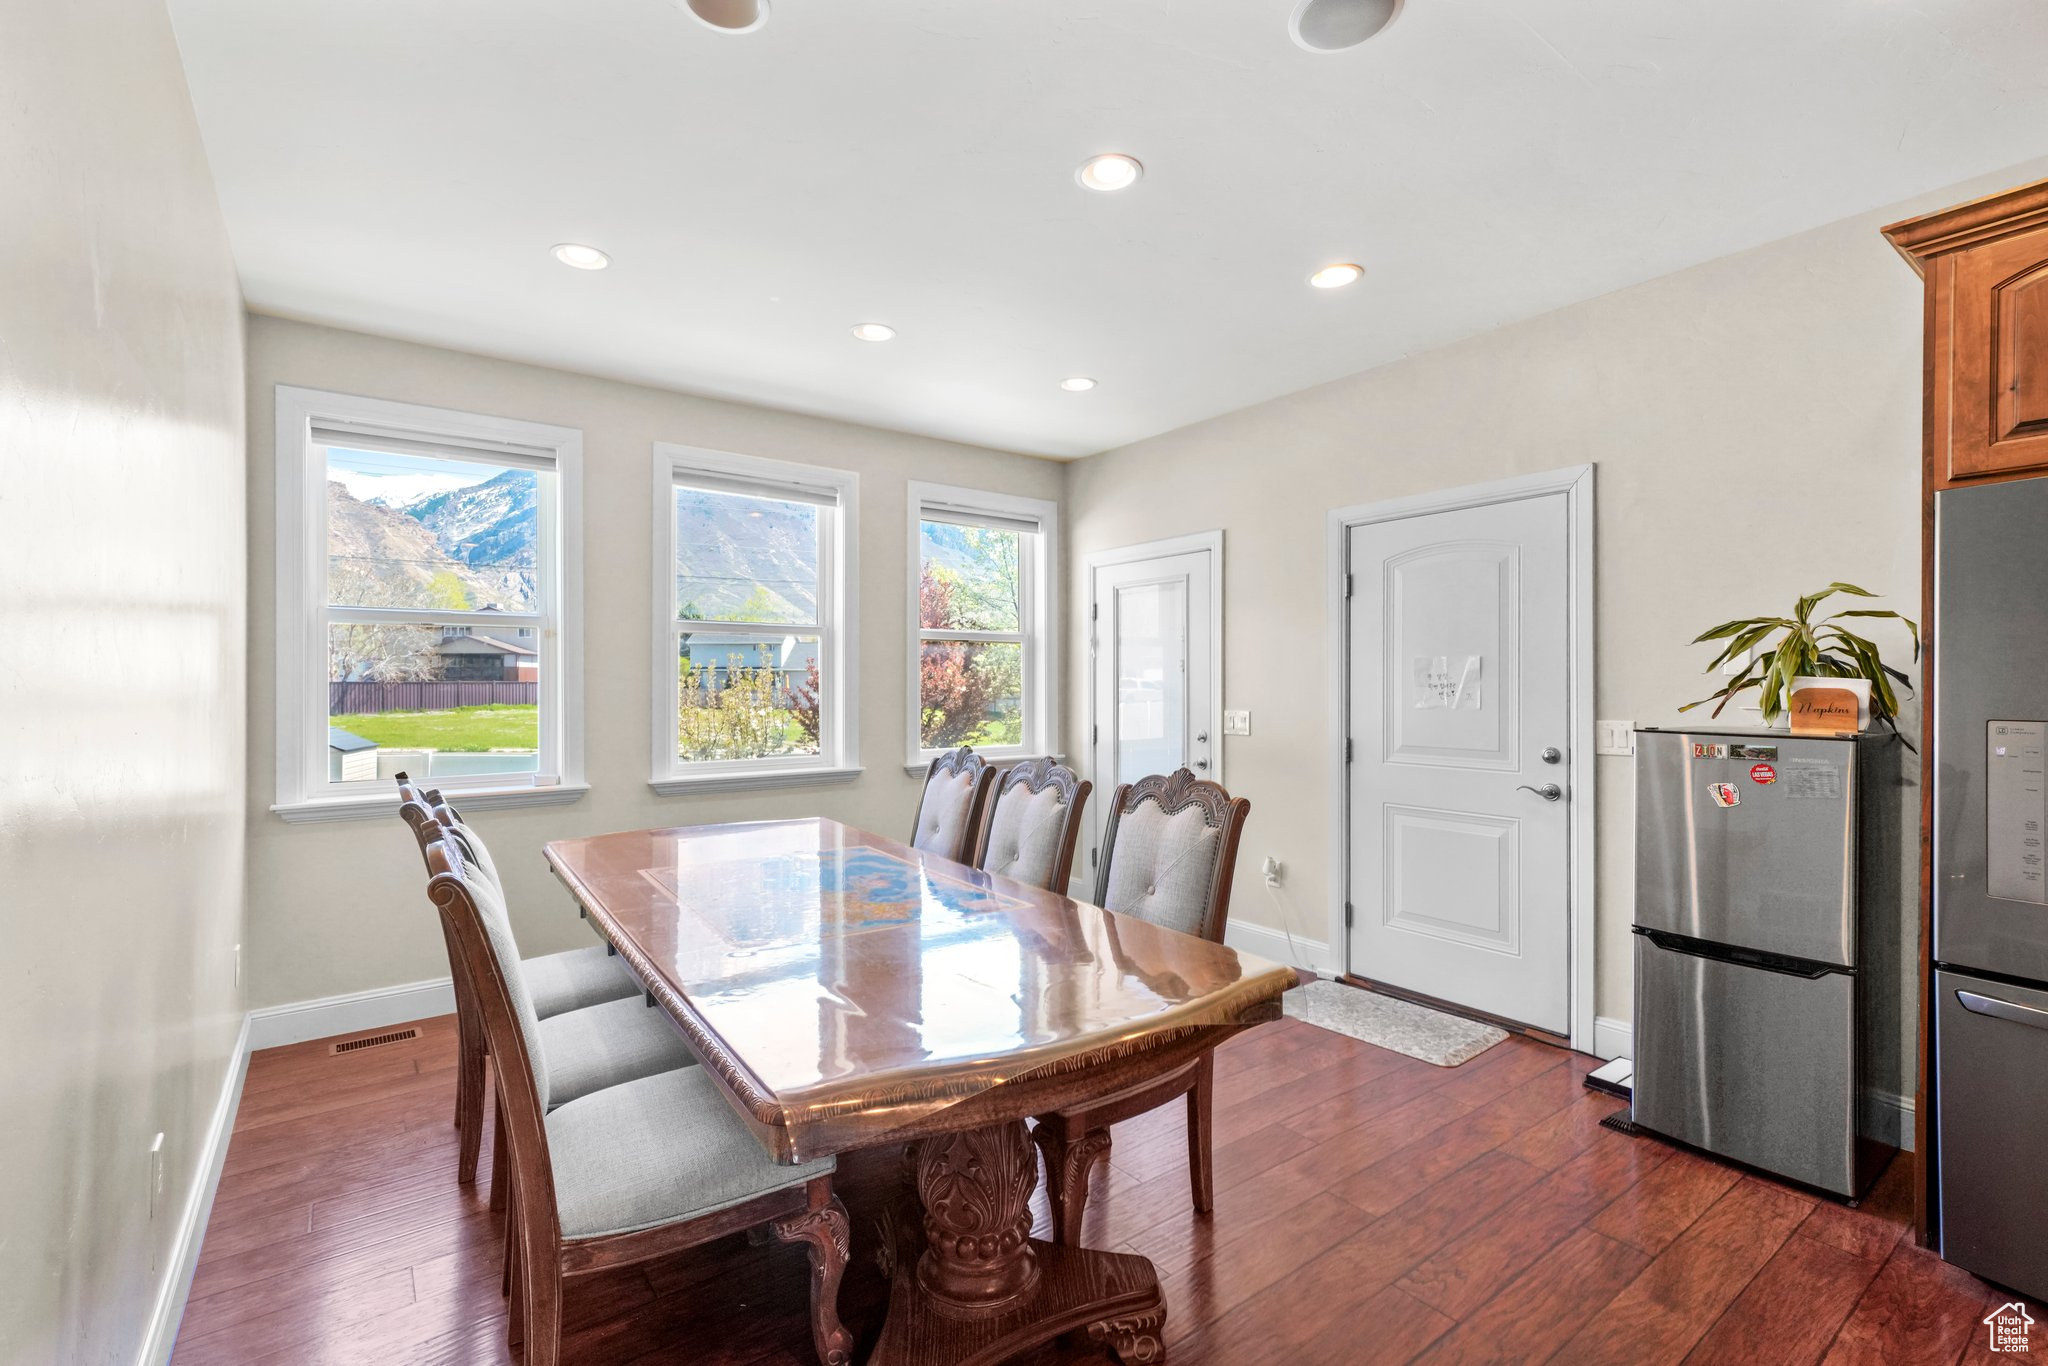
<point x="850" y="992"/>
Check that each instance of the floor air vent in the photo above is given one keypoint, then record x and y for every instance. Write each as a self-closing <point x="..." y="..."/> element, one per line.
<point x="1620" y="1123"/>
<point x="373" y="1041"/>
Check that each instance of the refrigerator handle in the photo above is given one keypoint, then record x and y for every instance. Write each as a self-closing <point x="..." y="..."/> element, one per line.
<point x="2003" y="1010"/>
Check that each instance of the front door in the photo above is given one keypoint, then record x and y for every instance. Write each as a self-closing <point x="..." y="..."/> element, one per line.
<point x="1153" y="662"/>
<point x="1460" y="778"/>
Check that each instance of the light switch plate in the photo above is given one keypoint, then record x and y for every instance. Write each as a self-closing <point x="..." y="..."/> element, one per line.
<point x="1237" y="723"/>
<point x="1614" y="737"/>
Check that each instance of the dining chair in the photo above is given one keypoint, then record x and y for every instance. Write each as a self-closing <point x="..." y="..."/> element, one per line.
<point x="628" y="1173"/>
<point x="596" y="1027"/>
<point x="1167" y="858"/>
<point x="950" y="808"/>
<point x="1031" y="823"/>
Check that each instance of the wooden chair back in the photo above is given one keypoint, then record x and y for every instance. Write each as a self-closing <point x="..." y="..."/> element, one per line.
<point x="454" y="889"/>
<point x="935" y="830"/>
<point x="1017" y="785"/>
<point x="1174" y="793"/>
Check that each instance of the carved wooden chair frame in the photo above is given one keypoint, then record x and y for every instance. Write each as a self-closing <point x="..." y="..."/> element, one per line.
<point x="1034" y="776"/>
<point x="539" y="1259"/>
<point x="1074" y="1141"/>
<point x="954" y="763"/>
<point x="420" y="807"/>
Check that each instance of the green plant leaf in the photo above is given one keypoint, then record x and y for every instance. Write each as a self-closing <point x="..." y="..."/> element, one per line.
<point x="1729" y="628"/>
<point x="1911" y="626"/>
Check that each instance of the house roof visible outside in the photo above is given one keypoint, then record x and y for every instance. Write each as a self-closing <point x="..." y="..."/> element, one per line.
<point x="347" y="743"/>
<point x="481" y="645"/>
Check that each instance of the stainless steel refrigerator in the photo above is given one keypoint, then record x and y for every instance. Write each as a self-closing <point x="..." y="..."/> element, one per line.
<point x="1990" y="1007"/>
<point x="1767" y="958"/>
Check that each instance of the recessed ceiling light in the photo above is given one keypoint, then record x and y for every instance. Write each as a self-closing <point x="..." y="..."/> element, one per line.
<point x="582" y="257"/>
<point x="1337" y="276"/>
<point x="1077" y="384"/>
<point x="1337" y="25"/>
<point x="730" y="16"/>
<point x="873" y="331"/>
<point x="1110" y="171"/>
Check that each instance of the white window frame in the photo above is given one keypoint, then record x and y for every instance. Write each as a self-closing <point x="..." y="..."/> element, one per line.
<point x="838" y="757"/>
<point x="1038" y="586"/>
<point x="304" y="792"/>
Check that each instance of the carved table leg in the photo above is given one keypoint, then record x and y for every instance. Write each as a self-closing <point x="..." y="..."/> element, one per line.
<point x="825" y="1230"/>
<point x="976" y="1190"/>
<point x="1136" y="1339"/>
<point x="983" y="1290"/>
<point x="1068" y="1166"/>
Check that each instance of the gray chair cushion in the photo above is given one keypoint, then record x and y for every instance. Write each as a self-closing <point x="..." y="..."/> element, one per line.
<point x="942" y="820"/>
<point x="609" y="1045"/>
<point x="653" y="1151"/>
<point x="577" y="980"/>
<point x="1024" y="835"/>
<point x="1163" y="867"/>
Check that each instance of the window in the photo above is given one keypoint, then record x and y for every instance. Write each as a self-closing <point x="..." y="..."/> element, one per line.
<point x="982" y="665"/>
<point x="754" y="641"/>
<point x="424" y="560"/>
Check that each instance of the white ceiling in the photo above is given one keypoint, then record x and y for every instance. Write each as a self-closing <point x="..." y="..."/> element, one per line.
<point x="403" y="167"/>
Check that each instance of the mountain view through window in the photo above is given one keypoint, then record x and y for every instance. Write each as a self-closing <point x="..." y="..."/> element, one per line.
<point x="442" y="696"/>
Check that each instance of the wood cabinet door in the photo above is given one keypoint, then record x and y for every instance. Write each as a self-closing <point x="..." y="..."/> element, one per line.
<point x="1998" y="383"/>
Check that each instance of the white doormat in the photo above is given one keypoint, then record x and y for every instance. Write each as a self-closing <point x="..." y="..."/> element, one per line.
<point x="1389" y="1022"/>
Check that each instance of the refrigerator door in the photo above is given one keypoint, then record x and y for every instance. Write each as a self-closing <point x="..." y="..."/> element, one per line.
<point x="1990" y="723"/>
<point x="1748" y="838"/>
<point x="1991" y="1076"/>
<point x="1754" y="1065"/>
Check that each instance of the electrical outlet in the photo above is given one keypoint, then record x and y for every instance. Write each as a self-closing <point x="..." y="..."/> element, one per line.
<point x="1237" y="723"/>
<point x="1272" y="868"/>
<point x="1735" y="665"/>
<point x="1614" y="737"/>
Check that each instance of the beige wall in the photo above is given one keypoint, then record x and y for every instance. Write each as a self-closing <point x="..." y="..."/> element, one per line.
<point x="121" y="666"/>
<point x="341" y="907"/>
<point x="1705" y="399"/>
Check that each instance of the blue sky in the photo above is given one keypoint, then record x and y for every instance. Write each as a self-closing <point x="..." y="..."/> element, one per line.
<point x="401" y="479"/>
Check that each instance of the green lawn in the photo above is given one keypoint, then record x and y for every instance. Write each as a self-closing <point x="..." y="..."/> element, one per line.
<point x="462" y="729"/>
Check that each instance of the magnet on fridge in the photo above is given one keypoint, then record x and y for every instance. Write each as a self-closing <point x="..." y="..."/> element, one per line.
<point x="1724" y="794"/>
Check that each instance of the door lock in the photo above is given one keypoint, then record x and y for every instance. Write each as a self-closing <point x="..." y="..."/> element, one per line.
<point x="1202" y="738"/>
<point x="1202" y="764"/>
<point x="1549" y="792"/>
<point x="1551" y="754"/>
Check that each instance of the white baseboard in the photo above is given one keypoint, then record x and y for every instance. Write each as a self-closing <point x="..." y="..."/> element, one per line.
<point x="273" y="1026"/>
<point x="169" y="1310"/>
<point x="1613" y="1038"/>
<point x="1267" y="942"/>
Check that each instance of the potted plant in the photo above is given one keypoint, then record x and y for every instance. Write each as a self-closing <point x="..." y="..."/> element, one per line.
<point x="1810" y="653"/>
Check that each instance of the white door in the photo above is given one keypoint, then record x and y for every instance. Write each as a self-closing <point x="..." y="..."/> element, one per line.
<point x="1153" y="647"/>
<point x="1461" y="777"/>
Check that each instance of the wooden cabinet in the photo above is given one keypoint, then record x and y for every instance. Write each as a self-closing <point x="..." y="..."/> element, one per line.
<point x="1986" y="268"/>
<point x="1984" y="416"/>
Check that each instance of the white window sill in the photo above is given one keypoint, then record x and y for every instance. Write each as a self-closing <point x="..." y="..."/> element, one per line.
<point x="683" y="786"/>
<point x="371" y="806"/>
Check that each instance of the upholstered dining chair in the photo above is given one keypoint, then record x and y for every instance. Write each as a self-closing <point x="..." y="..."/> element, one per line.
<point x="1031" y="822"/>
<point x="627" y="1173"/>
<point x="1167" y="858"/>
<point x="595" y="1026"/>
<point x="950" y="809"/>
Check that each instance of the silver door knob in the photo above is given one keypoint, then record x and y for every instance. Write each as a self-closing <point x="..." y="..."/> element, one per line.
<point x="1551" y="754"/>
<point x="1202" y="764"/>
<point x="1549" y="792"/>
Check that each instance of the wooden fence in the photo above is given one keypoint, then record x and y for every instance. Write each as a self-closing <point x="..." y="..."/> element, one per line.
<point x="359" y="699"/>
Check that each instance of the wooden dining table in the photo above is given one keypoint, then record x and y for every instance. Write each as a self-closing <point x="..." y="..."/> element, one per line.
<point x="849" y="991"/>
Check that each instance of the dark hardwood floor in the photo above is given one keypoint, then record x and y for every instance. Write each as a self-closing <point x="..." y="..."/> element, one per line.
<point x="1369" y="1208"/>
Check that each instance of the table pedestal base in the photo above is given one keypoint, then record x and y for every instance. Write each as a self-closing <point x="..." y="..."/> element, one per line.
<point x="1111" y="1298"/>
<point x="977" y="1288"/>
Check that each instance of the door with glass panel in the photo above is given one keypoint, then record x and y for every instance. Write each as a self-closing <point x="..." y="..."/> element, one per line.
<point x="1154" y="688"/>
